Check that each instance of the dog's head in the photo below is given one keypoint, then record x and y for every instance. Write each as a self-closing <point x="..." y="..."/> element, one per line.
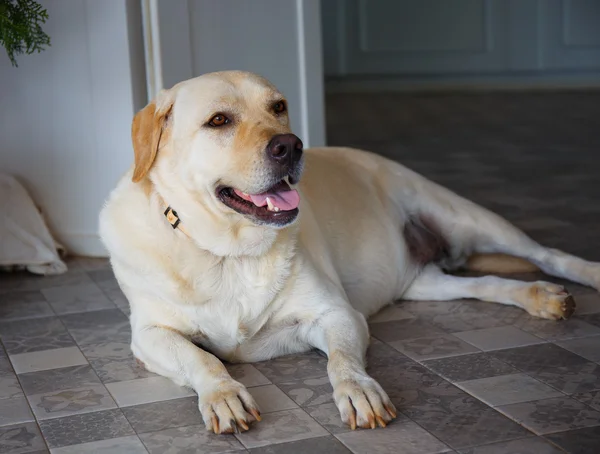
<point x="225" y="139"/>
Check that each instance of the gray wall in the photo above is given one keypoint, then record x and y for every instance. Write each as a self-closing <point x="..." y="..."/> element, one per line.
<point x="468" y="38"/>
<point x="65" y="114"/>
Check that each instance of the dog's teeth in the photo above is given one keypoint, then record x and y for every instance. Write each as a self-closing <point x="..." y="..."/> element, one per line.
<point x="276" y="209"/>
<point x="245" y="194"/>
<point x="270" y="205"/>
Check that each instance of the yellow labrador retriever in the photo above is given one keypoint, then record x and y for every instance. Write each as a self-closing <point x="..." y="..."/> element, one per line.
<point x="230" y="241"/>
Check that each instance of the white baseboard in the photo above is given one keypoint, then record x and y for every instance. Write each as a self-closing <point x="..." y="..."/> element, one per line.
<point x="466" y="83"/>
<point x="83" y="244"/>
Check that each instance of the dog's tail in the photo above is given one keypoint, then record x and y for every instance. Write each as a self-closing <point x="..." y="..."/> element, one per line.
<point x="499" y="263"/>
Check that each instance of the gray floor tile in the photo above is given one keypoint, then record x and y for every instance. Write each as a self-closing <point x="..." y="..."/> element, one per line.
<point x="390" y="313"/>
<point x="498" y="338"/>
<point x="9" y="386"/>
<point x="455" y="417"/>
<point x="427" y="309"/>
<point x="98" y="327"/>
<point x="469" y="367"/>
<point x="508" y="389"/>
<point x="247" y="375"/>
<point x="21" y="438"/>
<point x="328" y="416"/>
<point x="5" y="366"/>
<point x="400" y="377"/>
<point x="309" y="446"/>
<point x="561" y="330"/>
<point x="473" y="316"/>
<point x="14" y="410"/>
<point x="166" y="414"/>
<point x="189" y="439"/>
<point x="102" y="275"/>
<point x="67" y="402"/>
<point x="433" y="347"/>
<point x="531" y="445"/>
<point x="85" y="428"/>
<point x="58" y="379"/>
<point x="106" y="281"/>
<point x="580" y="441"/>
<point x="47" y="359"/>
<point x="541" y="223"/>
<point x="592" y="399"/>
<point x="406" y="437"/>
<point x="146" y="390"/>
<point x="27" y="282"/>
<point x="121" y="445"/>
<point x="552" y="415"/>
<point x="117" y="296"/>
<point x="534" y="358"/>
<point x="76" y="298"/>
<point x="34" y="335"/>
<point x="270" y="398"/>
<point x="577" y="378"/>
<point x="592" y="319"/>
<point x="380" y="354"/>
<point x="410" y="328"/>
<point x="23" y="305"/>
<point x="278" y="370"/>
<point x="310" y="391"/>
<point x="114" y="361"/>
<point x="588" y="304"/>
<point x="588" y="347"/>
<point x="89" y="264"/>
<point x="281" y="427"/>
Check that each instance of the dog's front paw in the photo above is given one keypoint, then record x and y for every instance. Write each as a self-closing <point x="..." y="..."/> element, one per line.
<point x="363" y="403"/>
<point x="227" y="407"/>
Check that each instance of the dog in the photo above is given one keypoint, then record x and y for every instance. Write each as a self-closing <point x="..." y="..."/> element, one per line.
<point x="233" y="243"/>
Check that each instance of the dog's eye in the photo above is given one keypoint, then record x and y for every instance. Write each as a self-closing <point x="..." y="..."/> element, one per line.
<point x="279" y="107"/>
<point x="219" y="120"/>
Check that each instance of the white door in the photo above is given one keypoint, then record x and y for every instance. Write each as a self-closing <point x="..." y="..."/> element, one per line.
<point x="279" y="39"/>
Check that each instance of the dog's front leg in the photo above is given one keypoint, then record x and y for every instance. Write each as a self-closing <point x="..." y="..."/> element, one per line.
<point x="225" y="404"/>
<point x="342" y="333"/>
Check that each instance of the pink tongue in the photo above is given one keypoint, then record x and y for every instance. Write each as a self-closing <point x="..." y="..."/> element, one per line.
<point x="284" y="199"/>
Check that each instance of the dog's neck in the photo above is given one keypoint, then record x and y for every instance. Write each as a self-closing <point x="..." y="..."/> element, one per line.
<point x="223" y="236"/>
<point x="172" y="217"/>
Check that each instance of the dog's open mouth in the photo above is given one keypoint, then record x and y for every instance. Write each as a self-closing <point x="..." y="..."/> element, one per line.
<point x="277" y="206"/>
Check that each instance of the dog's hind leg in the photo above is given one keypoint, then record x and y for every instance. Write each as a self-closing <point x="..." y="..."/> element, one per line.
<point x="491" y="234"/>
<point x="540" y="299"/>
<point x="469" y="229"/>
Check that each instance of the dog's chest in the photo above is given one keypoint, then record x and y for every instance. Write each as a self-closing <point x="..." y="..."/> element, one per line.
<point x="229" y="302"/>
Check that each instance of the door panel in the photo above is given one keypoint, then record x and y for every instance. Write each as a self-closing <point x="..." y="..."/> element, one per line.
<point x="460" y="37"/>
<point x="429" y="36"/>
<point x="424" y="26"/>
<point x="570" y="37"/>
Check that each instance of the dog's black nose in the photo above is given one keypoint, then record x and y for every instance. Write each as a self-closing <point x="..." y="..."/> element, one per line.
<point x="285" y="149"/>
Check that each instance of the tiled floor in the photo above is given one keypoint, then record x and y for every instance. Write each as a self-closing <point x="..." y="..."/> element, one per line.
<point x="467" y="377"/>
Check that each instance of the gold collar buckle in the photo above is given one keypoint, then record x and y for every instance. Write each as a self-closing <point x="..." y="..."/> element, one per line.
<point x="172" y="217"/>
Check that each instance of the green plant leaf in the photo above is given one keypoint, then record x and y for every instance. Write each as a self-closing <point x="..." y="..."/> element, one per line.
<point x="21" y="27"/>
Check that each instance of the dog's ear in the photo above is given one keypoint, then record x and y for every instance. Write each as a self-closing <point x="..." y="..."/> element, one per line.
<point x="146" y="131"/>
